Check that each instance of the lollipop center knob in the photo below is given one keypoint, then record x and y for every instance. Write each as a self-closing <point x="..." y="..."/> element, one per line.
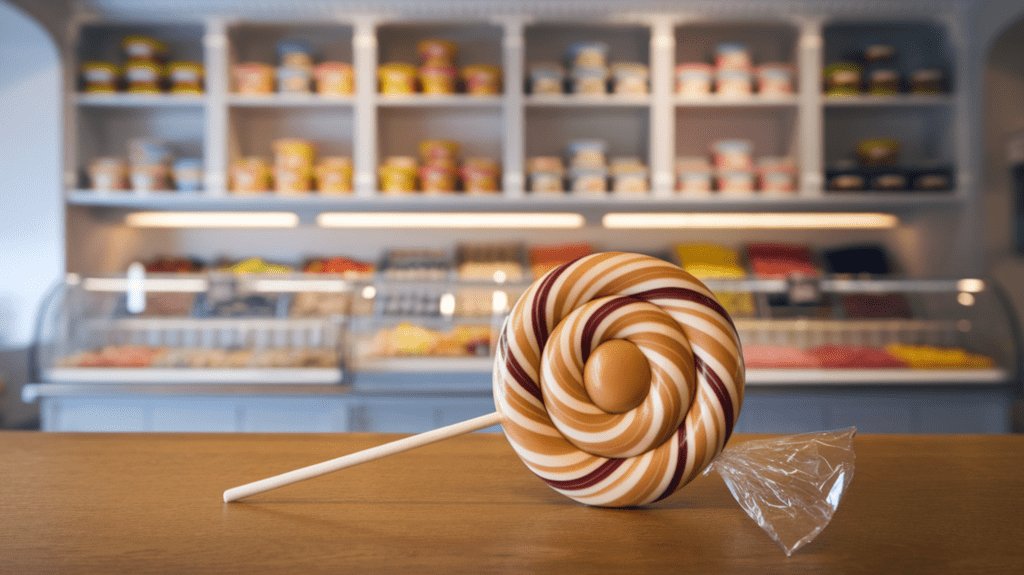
<point x="617" y="376"/>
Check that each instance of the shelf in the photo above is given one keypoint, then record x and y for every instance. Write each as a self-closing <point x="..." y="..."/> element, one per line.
<point x="439" y="101"/>
<point x="894" y="101"/>
<point x="751" y="101"/>
<point x="426" y="365"/>
<point x="878" y="201"/>
<point x="755" y="377"/>
<point x="289" y="101"/>
<point x="262" y="376"/>
<point x="588" y="101"/>
<point x="129" y="100"/>
<point x="876" y="376"/>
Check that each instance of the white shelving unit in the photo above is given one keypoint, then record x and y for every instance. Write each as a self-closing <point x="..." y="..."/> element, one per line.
<point x="811" y="128"/>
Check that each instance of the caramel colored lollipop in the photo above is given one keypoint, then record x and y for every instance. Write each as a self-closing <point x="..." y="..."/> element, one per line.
<point x="617" y="379"/>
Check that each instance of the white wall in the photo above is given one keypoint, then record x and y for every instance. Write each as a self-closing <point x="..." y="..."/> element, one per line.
<point x="31" y="211"/>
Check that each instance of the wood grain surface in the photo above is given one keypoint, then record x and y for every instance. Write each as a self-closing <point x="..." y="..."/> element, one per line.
<point x="151" y="503"/>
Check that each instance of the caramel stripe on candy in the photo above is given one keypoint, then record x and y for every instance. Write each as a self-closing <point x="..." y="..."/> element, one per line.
<point x="687" y="416"/>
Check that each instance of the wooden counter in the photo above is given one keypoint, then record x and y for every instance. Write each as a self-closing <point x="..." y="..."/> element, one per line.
<point x="96" y="503"/>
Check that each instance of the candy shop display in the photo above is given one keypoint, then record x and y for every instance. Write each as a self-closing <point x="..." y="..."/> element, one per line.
<point x="842" y="79"/>
<point x="397" y="175"/>
<point x="251" y="174"/>
<point x="734" y="82"/>
<point x="139" y="47"/>
<point x="629" y="78"/>
<point x="733" y="154"/>
<point x="416" y="264"/>
<point x="334" y="175"/>
<point x="589" y="81"/>
<point x="408" y="339"/>
<point x="480" y="175"/>
<point x="188" y="174"/>
<point x="185" y="77"/>
<point x="144" y="76"/>
<point x="253" y="78"/>
<point x="436" y="52"/>
<point x="482" y="79"/>
<point x="776" y="175"/>
<point x="694" y="175"/>
<point x="295" y="72"/>
<point x="321" y="303"/>
<point x="588" y="72"/>
<point x="438" y="73"/>
<point x="774" y="79"/>
<point x="101" y="77"/>
<point x="778" y="261"/>
<point x="589" y="171"/>
<point x="629" y="175"/>
<point x="137" y="356"/>
<point x="150" y="166"/>
<point x="694" y="79"/>
<point x="439" y="170"/>
<point x="876" y="70"/>
<point x="547" y="78"/>
<point x="144" y="70"/>
<point x="397" y="79"/>
<point x="334" y="79"/>
<point x="108" y="174"/>
<point x="544" y="258"/>
<point x="927" y="81"/>
<point x="438" y="80"/>
<point x="710" y="261"/>
<point x="293" y="165"/>
<point x="879" y="166"/>
<point x="294" y="169"/>
<point x="732" y="168"/>
<point x="733" y="73"/>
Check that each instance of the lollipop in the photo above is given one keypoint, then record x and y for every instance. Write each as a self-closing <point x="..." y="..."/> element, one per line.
<point x="618" y="377"/>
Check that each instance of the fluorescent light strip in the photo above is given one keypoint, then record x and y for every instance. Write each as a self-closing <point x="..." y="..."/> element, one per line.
<point x="212" y="220"/>
<point x="749" y="220"/>
<point x="449" y="220"/>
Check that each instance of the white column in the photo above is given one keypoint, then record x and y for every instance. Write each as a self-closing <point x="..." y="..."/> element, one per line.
<point x="215" y="139"/>
<point x="364" y="145"/>
<point x="513" y="122"/>
<point x="810" y="109"/>
<point x="663" y="112"/>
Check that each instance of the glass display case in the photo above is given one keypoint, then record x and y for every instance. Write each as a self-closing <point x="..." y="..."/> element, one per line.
<point x="418" y="314"/>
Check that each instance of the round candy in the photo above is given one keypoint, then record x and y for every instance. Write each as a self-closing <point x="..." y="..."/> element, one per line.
<point x="618" y="378"/>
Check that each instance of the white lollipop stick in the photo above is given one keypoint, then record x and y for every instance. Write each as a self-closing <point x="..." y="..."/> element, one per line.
<point x="360" y="457"/>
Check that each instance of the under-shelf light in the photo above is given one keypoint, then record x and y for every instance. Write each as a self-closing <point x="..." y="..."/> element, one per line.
<point x="449" y="220"/>
<point x="212" y="220"/>
<point x="749" y="220"/>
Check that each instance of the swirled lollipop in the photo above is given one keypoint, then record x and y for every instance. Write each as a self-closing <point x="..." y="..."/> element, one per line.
<point x="618" y="377"/>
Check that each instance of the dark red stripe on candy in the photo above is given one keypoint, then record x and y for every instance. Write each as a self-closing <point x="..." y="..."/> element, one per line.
<point x="588" y="480"/>
<point x="677" y="475"/>
<point x="685" y="294"/>
<point x="540" y="326"/>
<point x="597" y="317"/>
<point x="520" y="376"/>
<point x="718" y="387"/>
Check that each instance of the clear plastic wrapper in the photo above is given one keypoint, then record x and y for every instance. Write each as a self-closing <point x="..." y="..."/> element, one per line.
<point x="790" y="485"/>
